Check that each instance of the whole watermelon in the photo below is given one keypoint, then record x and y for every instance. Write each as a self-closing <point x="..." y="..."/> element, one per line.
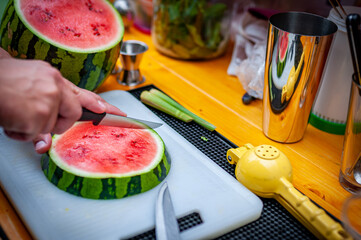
<point x="81" y="38"/>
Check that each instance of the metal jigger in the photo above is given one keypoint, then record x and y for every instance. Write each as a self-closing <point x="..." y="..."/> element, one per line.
<point x="131" y="53"/>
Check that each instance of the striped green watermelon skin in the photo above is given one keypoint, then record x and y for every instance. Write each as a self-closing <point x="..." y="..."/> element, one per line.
<point x="86" y="70"/>
<point x="105" y="188"/>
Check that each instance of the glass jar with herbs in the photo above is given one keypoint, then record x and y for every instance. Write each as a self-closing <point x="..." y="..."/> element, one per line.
<point x="191" y="29"/>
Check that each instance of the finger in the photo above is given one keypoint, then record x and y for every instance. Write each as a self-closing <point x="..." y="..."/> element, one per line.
<point x="113" y="109"/>
<point x="19" y="136"/>
<point x="69" y="109"/>
<point x="52" y="100"/>
<point x="91" y="101"/>
<point x="94" y="102"/>
<point x="86" y="98"/>
<point x="50" y="123"/>
<point x="51" y="119"/>
<point x="42" y="143"/>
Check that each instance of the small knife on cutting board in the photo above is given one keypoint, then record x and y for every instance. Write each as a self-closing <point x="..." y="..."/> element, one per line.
<point x="166" y="225"/>
<point x="116" y="121"/>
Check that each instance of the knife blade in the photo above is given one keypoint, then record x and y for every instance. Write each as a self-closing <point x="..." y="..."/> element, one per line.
<point x="116" y="121"/>
<point x="166" y="225"/>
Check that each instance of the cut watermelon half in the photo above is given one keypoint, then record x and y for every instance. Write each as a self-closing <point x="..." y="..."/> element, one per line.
<point x="81" y="38"/>
<point x="79" y="26"/>
<point x="103" y="162"/>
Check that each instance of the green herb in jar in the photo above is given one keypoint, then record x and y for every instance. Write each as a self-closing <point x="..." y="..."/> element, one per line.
<point x="190" y="29"/>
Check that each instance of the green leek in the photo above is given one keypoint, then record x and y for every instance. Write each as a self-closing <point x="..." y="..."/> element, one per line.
<point x="176" y="105"/>
<point x="153" y="101"/>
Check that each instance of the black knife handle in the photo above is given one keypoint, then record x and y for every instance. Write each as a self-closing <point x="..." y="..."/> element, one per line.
<point x="352" y="25"/>
<point x="88" y="115"/>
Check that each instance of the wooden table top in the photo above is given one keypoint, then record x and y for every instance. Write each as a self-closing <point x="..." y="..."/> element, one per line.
<point x="205" y="88"/>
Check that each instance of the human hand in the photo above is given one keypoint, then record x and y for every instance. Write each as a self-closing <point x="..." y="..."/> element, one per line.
<point x="35" y="99"/>
<point x="90" y="101"/>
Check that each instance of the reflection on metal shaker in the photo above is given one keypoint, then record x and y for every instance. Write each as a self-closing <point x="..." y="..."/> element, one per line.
<point x="297" y="48"/>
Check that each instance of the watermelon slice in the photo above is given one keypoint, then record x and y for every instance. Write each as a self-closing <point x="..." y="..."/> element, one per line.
<point x="103" y="162"/>
<point x="81" y="38"/>
<point x="282" y="52"/>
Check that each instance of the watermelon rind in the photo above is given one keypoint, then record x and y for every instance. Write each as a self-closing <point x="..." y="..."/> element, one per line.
<point x="86" y="68"/>
<point x="106" y="186"/>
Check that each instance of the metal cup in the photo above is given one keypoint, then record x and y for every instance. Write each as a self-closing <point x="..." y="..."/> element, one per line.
<point x="297" y="48"/>
<point x="350" y="173"/>
<point x="131" y="53"/>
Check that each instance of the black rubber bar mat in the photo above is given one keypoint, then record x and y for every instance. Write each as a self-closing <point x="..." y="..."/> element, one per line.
<point x="275" y="222"/>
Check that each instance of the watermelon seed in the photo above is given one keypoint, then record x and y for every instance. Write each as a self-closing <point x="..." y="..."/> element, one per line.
<point x="46" y="15"/>
<point x="34" y="9"/>
<point x="113" y="161"/>
<point x="82" y="151"/>
<point x="76" y="34"/>
<point x="96" y="27"/>
<point x="117" y="135"/>
<point x="90" y="136"/>
<point x="98" y="10"/>
<point x="138" y="144"/>
<point x="129" y="157"/>
<point x="89" y="4"/>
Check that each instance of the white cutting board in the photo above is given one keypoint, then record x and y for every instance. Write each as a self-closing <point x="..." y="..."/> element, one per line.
<point x="195" y="182"/>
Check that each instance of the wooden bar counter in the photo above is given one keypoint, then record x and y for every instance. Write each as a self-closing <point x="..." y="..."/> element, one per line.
<point x="205" y="88"/>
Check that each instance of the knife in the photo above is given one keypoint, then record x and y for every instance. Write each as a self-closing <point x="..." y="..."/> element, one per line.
<point x="166" y="225"/>
<point x="116" y="121"/>
<point x="353" y="22"/>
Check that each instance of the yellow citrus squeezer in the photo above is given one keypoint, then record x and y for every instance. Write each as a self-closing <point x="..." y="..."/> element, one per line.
<point x="267" y="172"/>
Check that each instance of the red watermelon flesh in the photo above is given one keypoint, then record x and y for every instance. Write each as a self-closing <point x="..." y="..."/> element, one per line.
<point x="104" y="149"/>
<point x="83" y="24"/>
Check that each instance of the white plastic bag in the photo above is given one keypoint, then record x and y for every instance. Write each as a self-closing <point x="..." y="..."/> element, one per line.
<point x="249" y="54"/>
